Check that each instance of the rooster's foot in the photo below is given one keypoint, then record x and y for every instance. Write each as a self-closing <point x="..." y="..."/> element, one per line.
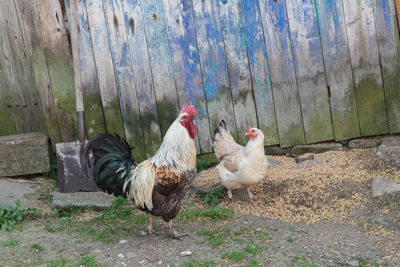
<point x="174" y="234"/>
<point x="150" y="230"/>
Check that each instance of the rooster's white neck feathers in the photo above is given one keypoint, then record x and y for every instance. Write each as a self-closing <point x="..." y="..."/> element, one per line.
<point x="177" y="149"/>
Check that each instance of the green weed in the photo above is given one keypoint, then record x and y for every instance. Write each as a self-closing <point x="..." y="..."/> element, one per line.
<point x="215" y="237"/>
<point x="303" y="262"/>
<point x="254" y="263"/>
<point x="37" y="247"/>
<point x="214" y="214"/>
<point x="235" y="256"/>
<point x="11" y="243"/>
<point x="10" y="216"/>
<point x="252" y="249"/>
<point x="290" y="239"/>
<point x="199" y="263"/>
<point x="202" y="164"/>
<point x="213" y="197"/>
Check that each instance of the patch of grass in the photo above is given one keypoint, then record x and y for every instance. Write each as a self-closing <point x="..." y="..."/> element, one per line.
<point x="199" y="263"/>
<point x="254" y="263"/>
<point x="48" y="198"/>
<point x="252" y="249"/>
<point x="214" y="214"/>
<point x="234" y="256"/>
<point x="52" y="174"/>
<point x="303" y="262"/>
<point x="37" y="247"/>
<point x="60" y="262"/>
<point x="10" y="216"/>
<point x="11" y="243"/>
<point x="89" y="261"/>
<point x="69" y="212"/>
<point x="202" y="163"/>
<point x="213" y="197"/>
<point x="290" y="239"/>
<point x="215" y="237"/>
<point x="362" y="262"/>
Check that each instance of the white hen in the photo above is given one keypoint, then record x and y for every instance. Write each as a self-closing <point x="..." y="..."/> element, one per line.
<point x="239" y="167"/>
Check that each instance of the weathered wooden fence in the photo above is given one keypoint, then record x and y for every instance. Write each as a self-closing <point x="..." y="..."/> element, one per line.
<point x="303" y="71"/>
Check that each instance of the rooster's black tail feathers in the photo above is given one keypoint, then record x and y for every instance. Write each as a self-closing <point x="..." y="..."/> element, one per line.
<point x="218" y="131"/>
<point x="112" y="162"/>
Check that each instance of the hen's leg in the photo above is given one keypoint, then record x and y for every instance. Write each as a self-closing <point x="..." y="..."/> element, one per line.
<point x="251" y="197"/>
<point x="230" y="195"/>
<point x="174" y="234"/>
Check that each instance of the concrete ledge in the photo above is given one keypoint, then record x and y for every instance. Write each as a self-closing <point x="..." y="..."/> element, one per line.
<point x="94" y="200"/>
<point x="315" y="149"/>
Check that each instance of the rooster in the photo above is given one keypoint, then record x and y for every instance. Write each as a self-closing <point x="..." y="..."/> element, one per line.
<point x="156" y="185"/>
<point x="239" y="167"/>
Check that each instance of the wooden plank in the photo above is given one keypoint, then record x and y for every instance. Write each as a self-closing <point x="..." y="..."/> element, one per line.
<point x="22" y="154"/>
<point x="398" y="11"/>
<point x="7" y="125"/>
<point x="389" y="50"/>
<point x="259" y="71"/>
<point x="94" y="118"/>
<point x="32" y="97"/>
<point x="12" y="66"/>
<point x="124" y="75"/>
<point x="35" y="43"/>
<point x="238" y="67"/>
<point x="186" y="64"/>
<point x="59" y="63"/>
<point x="283" y="77"/>
<point x="339" y="78"/>
<point x="213" y="63"/>
<point x="104" y="65"/>
<point x="161" y="63"/>
<point x="142" y="74"/>
<point x="364" y="57"/>
<point x="310" y="71"/>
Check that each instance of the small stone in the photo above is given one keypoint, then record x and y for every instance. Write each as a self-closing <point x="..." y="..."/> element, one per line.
<point x="258" y="229"/>
<point x="159" y="262"/>
<point x="143" y="233"/>
<point x="123" y="241"/>
<point x="389" y="153"/>
<point x="121" y="256"/>
<point x="274" y="163"/>
<point x="353" y="263"/>
<point x="130" y="255"/>
<point x="363" y="143"/>
<point x="186" y="253"/>
<point x="304" y="149"/>
<point x="123" y="264"/>
<point x="300" y="159"/>
<point x="381" y="186"/>
<point x="142" y="261"/>
<point x="274" y="150"/>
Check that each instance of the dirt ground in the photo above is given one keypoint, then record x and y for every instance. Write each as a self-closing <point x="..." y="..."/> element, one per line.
<point x="316" y="213"/>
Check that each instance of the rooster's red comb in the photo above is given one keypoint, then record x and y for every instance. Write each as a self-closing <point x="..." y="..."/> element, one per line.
<point x="249" y="128"/>
<point x="189" y="109"/>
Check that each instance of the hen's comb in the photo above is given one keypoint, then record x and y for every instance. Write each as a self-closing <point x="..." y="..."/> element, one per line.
<point x="189" y="109"/>
<point x="249" y="128"/>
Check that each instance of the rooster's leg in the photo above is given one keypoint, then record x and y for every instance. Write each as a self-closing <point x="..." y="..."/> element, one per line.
<point x="174" y="234"/>
<point x="149" y="227"/>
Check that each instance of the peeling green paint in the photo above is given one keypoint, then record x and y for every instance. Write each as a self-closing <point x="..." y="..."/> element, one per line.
<point x="371" y="106"/>
<point x="62" y="83"/>
<point x="112" y="113"/>
<point x="391" y="81"/>
<point x="151" y="136"/>
<point x="93" y="115"/>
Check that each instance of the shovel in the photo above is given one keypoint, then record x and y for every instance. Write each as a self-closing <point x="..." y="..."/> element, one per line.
<point x="70" y="176"/>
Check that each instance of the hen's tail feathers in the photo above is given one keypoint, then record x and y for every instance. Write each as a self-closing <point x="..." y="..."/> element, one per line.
<point x="112" y="162"/>
<point x="219" y="131"/>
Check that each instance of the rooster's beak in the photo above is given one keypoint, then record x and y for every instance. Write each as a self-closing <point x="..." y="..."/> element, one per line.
<point x="246" y="134"/>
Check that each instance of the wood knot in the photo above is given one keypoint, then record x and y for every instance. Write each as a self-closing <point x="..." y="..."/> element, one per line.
<point x="154" y="16"/>
<point x="132" y="25"/>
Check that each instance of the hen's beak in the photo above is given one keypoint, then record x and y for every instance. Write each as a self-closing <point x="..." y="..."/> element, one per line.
<point x="246" y="133"/>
